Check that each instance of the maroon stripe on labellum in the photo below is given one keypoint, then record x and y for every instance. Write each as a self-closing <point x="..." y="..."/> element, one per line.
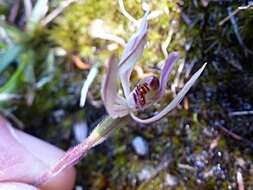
<point x="143" y="90"/>
<point x="137" y="90"/>
<point x="142" y="100"/>
<point x="139" y="95"/>
<point x="135" y="98"/>
<point x="155" y="83"/>
<point x="145" y="85"/>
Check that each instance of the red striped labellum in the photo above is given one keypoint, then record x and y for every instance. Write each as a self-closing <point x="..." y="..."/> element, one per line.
<point x="145" y="93"/>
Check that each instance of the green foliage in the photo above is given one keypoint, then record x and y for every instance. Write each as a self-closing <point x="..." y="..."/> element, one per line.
<point x="3" y="10"/>
<point x="26" y="53"/>
<point x="71" y="31"/>
<point x="24" y="60"/>
<point x="9" y="56"/>
<point x="14" y="33"/>
<point x="32" y="52"/>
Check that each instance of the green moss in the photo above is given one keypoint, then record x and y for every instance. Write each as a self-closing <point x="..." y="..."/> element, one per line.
<point x="154" y="183"/>
<point x="71" y="29"/>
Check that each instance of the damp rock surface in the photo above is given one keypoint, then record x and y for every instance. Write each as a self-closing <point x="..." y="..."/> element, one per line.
<point x="140" y="146"/>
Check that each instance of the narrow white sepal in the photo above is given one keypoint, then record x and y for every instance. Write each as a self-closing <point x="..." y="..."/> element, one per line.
<point x="115" y="104"/>
<point x="87" y="83"/>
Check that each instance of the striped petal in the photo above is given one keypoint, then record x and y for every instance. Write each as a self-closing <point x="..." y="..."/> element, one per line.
<point x="115" y="105"/>
<point x="170" y="62"/>
<point x="132" y="53"/>
<point x="174" y="102"/>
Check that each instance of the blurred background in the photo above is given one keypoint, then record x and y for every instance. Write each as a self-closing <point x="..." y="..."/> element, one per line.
<point x="49" y="48"/>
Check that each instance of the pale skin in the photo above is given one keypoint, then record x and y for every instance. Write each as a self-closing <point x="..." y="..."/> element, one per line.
<point x="24" y="158"/>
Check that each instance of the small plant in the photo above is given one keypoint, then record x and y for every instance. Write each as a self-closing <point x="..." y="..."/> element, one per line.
<point x="27" y="53"/>
<point x="147" y="91"/>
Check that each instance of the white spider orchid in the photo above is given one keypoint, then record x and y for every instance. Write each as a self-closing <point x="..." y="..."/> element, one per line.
<point x="148" y="91"/>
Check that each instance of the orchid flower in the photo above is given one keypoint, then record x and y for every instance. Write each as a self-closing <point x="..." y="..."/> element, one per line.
<point x="148" y="91"/>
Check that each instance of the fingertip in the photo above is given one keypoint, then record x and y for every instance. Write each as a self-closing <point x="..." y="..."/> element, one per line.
<point x="16" y="186"/>
<point x="64" y="181"/>
<point x="49" y="155"/>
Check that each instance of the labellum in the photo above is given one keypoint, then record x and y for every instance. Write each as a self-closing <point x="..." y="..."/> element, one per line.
<point x="144" y="94"/>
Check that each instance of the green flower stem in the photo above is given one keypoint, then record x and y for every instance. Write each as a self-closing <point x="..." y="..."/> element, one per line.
<point x="72" y="156"/>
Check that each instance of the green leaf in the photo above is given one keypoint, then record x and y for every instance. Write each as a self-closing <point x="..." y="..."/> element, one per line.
<point x="11" y="84"/>
<point x="16" y="78"/>
<point x="14" y="33"/>
<point x="3" y="9"/>
<point x="29" y="75"/>
<point x="2" y="45"/>
<point x="103" y="130"/>
<point x="7" y="57"/>
<point x="49" y="71"/>
<point x="39" y="11"/>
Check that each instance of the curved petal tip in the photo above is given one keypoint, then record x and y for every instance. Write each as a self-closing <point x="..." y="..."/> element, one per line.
<point x="169" y="63"/>
<point x="174" y="103"/>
